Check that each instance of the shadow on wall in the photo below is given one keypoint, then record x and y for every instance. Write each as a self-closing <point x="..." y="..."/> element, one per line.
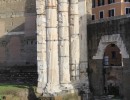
<point x="18" y="45"/>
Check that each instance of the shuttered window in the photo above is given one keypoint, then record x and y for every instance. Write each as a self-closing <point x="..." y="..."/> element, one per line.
<point x="127" y="10"/>
<point x="111" y="12"/>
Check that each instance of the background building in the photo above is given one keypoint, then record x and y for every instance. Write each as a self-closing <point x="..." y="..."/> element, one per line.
<point x="18" y="41"/>
<point x="109" y="8"/>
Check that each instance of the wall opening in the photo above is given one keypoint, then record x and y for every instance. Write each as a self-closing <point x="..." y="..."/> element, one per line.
<point x="112" y="70"/>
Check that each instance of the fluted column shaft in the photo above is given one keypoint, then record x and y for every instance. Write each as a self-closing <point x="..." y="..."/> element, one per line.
<point x="74" y="39"/>
<point x="63" y="31"/>
<point x="52" y="46"/>
<point x="41" y="45"/>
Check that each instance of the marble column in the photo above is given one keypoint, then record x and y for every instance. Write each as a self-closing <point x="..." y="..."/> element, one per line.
<point x="52" y="47"/>
<point x="63" y="35"/>
<point x="41" y="45"/>
<point x="74" y="39"/>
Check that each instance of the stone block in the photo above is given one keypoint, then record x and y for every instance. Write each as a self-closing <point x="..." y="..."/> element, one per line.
<point x="74" y="24"/>
<point x="52" y="34"/>
<point x="40" y="6"/>
<point x="51" y="15"/>
<point x="63" y="6"/>
<point x="75" y="49"/>
<point x="41" y="20"/>
<point x="63" y="1"/>
<point x="74" y="1"/>
<point x="63" y="19"/>
<point x="41" y="39"/>
<point x="74" y="9"/>
<point x="64" y="48"/>
<point x="63" y="33"/>
<point x="51" y="3"/>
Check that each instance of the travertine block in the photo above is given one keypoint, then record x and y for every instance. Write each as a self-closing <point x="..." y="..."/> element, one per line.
<point x="74" y="9"/>
<point x="40" y="6"/>
<point x="63" y="6"/>
<point x="51" y="15"/>
<point x="62" y="1"/>
<point x="51" y="3"/>
<point x="74" y="1"/>
<point x="63" y="18"/>
<point x="52" y="61"/>
<point x="41" y="64"/>
<point x="74" y="24"/>
<point x="40" y="47"/>
<point x="75" y="49"/>
<point x="41" y="20"/>
<point x="52" y="34"/>
<point x="63" y="48"/>
<point x="63" y="33"/>
<point x="64" y="69"/>
<point x="41" y="38"/>
<point x="40" y="56"/>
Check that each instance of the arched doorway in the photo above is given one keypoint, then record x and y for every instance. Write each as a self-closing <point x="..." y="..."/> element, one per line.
<point x="112" y="70"/>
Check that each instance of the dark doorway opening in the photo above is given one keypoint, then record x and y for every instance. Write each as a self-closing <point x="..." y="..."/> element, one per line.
<point x="112" y="71"/>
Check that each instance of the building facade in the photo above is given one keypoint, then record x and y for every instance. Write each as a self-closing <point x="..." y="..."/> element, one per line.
<point x="102" y="9"/>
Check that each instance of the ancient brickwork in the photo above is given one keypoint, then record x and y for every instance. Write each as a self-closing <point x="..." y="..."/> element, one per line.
<point x="101" y="34"/>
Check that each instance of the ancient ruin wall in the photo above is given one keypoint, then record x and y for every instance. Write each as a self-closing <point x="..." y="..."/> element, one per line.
<point x="18" y="41"/>
<point x="100" y="34"/>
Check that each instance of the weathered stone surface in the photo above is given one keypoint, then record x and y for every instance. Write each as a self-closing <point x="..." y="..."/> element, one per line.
<point x="51" y="3"/>
<point x="40" y="6"/>
<point x="63" y="19"/>
<point x="63" y="33"/>
<point x="74" y="9"/>
<point x="63" y="6"/>
<point x="61" y="23"/>
<point x="51" y="18"/>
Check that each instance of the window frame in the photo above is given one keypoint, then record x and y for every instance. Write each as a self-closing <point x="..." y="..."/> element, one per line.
<point x="125" y="10"/>
<point x="94" y="16"/>
<point x="101" y="3"/>
<point x="100" y="12"/>
<point x="126" y="1"/>
<point x="93" y="3"/>
<point x="111" y="1"/>
<point x="111" y="10"/>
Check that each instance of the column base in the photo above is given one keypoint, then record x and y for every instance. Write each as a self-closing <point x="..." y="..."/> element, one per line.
<point x="65" y="86"/>
<point x="52" y="90"/>
<point x="64" y="96"/>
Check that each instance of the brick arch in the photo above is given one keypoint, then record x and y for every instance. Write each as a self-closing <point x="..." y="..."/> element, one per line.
<point x="108" y="39"/>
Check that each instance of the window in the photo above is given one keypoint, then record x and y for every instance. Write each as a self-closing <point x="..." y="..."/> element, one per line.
<point x="111" y="1"/>
<point x="127" y="10"/>
<point x="93" y="4"/>
<point x="113" y="54"/>
<point x="127" y="0"/>
<point x="101" y="14"/>
<point x="111" y="12"/>
<point x="100" y="2"/>
<point x="93" y="17"/>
